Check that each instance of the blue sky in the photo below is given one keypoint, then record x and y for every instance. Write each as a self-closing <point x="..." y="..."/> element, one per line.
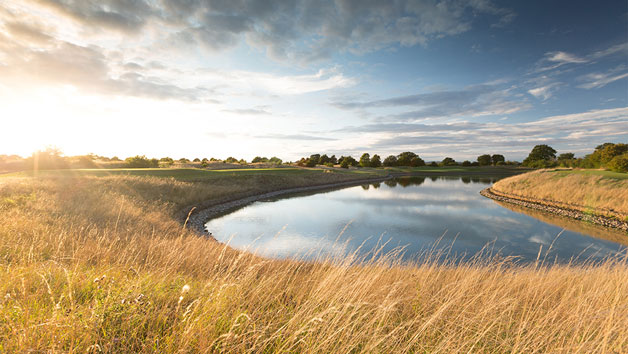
<point x="200" y="78"/>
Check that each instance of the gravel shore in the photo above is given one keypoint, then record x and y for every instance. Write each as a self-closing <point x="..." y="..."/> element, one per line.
<point x="570" y="213"/>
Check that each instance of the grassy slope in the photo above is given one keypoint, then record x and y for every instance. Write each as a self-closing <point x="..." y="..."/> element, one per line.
<point x="98" y="263"/>
<point x="587" y="190"/>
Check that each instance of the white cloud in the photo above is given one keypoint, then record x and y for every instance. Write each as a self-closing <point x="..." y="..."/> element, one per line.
<point x="543" y="92"/>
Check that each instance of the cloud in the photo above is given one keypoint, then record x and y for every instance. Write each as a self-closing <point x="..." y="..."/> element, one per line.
<point x="248" y="111"/>
<point x="598" y="80"/>
<point x="286" y="30"/>
<point x="543" y="92"/>
<point x="577" y="132"/>
<point x="476" y="100"/>
<point x="294" y="137"/>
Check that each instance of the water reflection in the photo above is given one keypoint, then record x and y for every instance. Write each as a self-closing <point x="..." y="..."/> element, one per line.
<point x="410" y="212"/>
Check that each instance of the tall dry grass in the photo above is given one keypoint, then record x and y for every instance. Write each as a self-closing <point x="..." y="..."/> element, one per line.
<point x="99" y="264"/>
<point x="580" y="191"/>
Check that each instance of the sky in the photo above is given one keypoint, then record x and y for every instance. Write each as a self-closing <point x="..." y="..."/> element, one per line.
<point x="219" y="78"/>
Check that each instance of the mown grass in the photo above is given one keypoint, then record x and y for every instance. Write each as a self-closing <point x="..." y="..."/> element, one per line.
<point x="595" y="191"/>
<point x="92" y="264"/>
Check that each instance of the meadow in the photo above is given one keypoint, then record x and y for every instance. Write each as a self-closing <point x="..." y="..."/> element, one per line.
<point x="96" y="261"/>
<point x="595" y="191"/>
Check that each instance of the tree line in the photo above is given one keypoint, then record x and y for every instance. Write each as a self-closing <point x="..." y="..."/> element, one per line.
<point x="612" y="156"/>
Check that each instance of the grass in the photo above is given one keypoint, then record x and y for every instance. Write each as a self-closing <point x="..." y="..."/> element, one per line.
<point x="593" y="191"/>
<point x="98" y="263"/>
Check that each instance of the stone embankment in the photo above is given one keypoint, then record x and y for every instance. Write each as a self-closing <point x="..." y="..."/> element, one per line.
<point x="195" y="217"/>
<point x="570" y="213"/>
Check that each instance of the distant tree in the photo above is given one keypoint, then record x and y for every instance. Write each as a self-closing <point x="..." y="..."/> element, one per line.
<point x="324" y="159"/>
<point x="184" y="160"/>
<point x="376" y="161"/>
<point x="497" y="158"/>
<point x="231" y="159"/>
<point x="141" y="162"/>
<point x="115" y="158"/>
<point x="540" y="156"/>
<point x="417" y="162"/>
<point x="466" y="163"/>
<point x="314" y="159"/>
<point x="566" y="156"/>
<point x="275" y="160"/>
<point x="602" y="146"/>
<point x="259" y="159"/>
<point x="390" y="161"/>
<point x="619" y="163"/>
<point x="196" y="160"/>
<point x="351" y="160"/>
<point x="433" y="164"/>
<point x="48" y="159"/>
<point x="485" y="160"/>
<point x="610" y="151"/>
<point x="405" y="158"/>
<point x="365" y="160"/>
<point x="345" y="163"/>
<point x="448" y="161"/>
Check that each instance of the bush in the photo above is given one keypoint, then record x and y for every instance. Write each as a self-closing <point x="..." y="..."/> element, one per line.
<point x="275" y="160"/>
<point x="141" y="162"/>
<point x="619" y="163"/>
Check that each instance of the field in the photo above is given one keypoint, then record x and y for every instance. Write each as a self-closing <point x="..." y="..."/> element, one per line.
<point x="595" y="191"/>
<point x="94" y="260"/>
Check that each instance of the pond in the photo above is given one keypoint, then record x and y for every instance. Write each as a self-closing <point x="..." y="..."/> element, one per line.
<point x="414" y="213"/>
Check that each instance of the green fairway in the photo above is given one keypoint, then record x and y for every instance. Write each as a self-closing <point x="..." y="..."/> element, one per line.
<point x="190" y="174"/>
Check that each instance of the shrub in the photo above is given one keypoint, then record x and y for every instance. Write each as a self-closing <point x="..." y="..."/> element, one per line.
<point x="231" y="159"/>
<point x="275" y="160"/>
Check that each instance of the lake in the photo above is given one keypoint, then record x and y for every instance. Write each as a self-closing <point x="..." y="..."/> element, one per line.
<point x="415" y="213"/>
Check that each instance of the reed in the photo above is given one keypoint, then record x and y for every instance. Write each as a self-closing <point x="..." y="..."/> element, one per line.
<point x="94" y="264"/>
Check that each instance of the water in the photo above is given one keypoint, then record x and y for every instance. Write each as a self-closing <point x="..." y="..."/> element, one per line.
<point x="414" y="213"/>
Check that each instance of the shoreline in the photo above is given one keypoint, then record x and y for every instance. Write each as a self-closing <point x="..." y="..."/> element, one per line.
<point x="194" y="217"/>
<point x="555" y="210"/>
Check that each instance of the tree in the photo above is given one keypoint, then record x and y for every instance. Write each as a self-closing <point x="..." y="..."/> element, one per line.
<point x="324" y="159"/>
<point x="566" y="156"/>
<point x="365" y="160"/>
<point x="405" y="158"/>
<point x="540" y="156"/>
<point x="390" y="161"/>
<point x="610" y="151"/>
<point x="345" y="163"/>
<point x="497" y="158"/>
<point x="485" y="160"/>
<point x="448" y="161"/>
<point x="314" y="160"/>
<point x="259" y="159"/>
<point x="376" y="161"/>
<point x="231" y="159"/>
<point x="141" y="162"/>
<point x="333" y="159"/>
<point x="197" y="160"/>
<point x="466" y="163"/>
<point x="619" y="163"/>
<point x="275" y="160"/>
<point x="417" y="162"/>
<point x="433" y="164"/>
<point x="184" y="160"/>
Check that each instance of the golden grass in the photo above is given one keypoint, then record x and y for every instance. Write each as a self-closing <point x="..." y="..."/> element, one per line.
<point x="585" y="192"/>
<point x="98" y="264"/>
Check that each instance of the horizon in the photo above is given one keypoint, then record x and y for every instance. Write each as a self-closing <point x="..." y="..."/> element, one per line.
<point x="244" y="79"/>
